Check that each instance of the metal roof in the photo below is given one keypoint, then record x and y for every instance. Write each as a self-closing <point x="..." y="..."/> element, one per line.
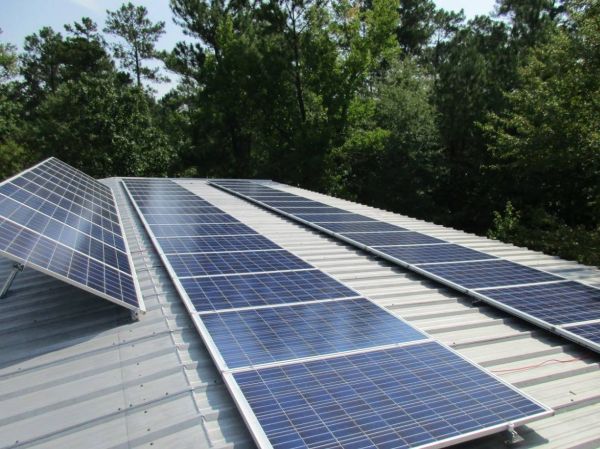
<point x="76" y="372"/>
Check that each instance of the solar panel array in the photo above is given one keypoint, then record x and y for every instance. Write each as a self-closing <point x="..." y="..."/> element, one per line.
<point x="567" y="308"/>
<point x="64" y="223"/>
<point x="309" y="361"/>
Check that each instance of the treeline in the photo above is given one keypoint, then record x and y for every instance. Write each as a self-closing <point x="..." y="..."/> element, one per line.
<point x="490" y="125"/>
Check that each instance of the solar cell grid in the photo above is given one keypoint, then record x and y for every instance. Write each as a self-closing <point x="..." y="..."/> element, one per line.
<point x="231" y="263"/>
<point x="251" y="290"/>
<point x="253" y="337"/>
<point x="44" y="208"/>
<point x="421" y="254"/>
<point x="590" y="332"/>
<point x="182" y="219"/>
<point x="75" y="193"/>
<point x="61" y="261"/>
<point x="332" y="218"/>
<point x="493" y="273"/>
<point x="197" y="230"/>
<point x="313" y="210"/>
<point x="172" y="210"/>
<point x="392" y="238"/>
<point x="295" y="204"/>
<point x="210" y="244"/>
<point x="69" y="202"/>
<point x="562" y="303"/>
<point x="348" y="228"/>
<point x="402" y="397"/>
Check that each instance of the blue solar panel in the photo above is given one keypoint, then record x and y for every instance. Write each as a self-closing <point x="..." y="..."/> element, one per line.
<point x="376" y="226"/>
<point x="332" y="218"/>
<point x="186" y="265"/>
<point x="493" y="273"/>
<point x="294" y="203"/>
<point x="212" y="244"/>
<point x="313" y="210"/>
<point x="589" y="332"/>
<point x="227" y="292"/>
<point x="172" y="210"/>
<point x="433" y="253"/>
<point x="392" y="238"/>
<point x="201" y="229"/>
<point x="395" y="398"/>
<point x="252" y="337"/>
<point x="63" y="222"/>
<point x="562" y="303"/>
<point x="182" y="219"/>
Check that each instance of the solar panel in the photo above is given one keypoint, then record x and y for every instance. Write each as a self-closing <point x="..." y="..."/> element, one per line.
<point x="557" y="304"/>
<point x="253" y="337"/>
<point x="295" y="204"/>
<point x="183" y="219"/>
<point x="64" y="223"/>
<point x="421" y="254"/>
<point x="313" y="210"/>
<point x="404" y="397"/>
<point x="587" y="332"/>
<point x="227" y="292"/>
<point x="212" y="244"/>
<point x="492" y="273"/>
<point x="254" y="319"/>
<point x="190" y="265"/>
<point x="392" y="238"/>
<point x="332" y="218"/>
<point x="513" y="287"/>
<point x="371" y="226"/>
<point x="185" y="230"/>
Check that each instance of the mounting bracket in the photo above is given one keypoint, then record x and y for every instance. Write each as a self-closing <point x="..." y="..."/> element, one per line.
<point x="17" y="267"/>
<point x="513" y="437"/>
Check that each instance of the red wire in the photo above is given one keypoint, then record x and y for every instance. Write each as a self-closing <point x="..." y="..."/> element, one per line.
<point x="528" y="367"/>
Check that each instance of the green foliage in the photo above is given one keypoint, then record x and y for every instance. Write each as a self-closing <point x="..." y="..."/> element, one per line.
<point x="102" y="128"/>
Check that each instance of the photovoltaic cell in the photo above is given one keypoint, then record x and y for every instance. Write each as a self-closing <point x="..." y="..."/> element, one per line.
<point x="186" y="265"/>
<point x="313" y="210"/>
<point x="590" y="332"/>
<point x="396" y="398"/>
<point x="201" y="229"/>
<point x="562" y="303"/>
<point x="392" y="238"/>
<point x="253" y="337"/>
<point x="493" y="273"/>
<point x="227" y="292"/>
<point x="61" y="221"/>
<point x="294" y="203"/>
<point x="332" y="218"/>
<point x="372" y="226"/>
<point x="182" y="219"/>
<point x="433" y="253"/>
<point x="212" y="244"/>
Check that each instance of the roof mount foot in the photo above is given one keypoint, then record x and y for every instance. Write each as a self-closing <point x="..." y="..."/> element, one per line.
<point x="17" y="267"/>
<point x="513" y="438"/>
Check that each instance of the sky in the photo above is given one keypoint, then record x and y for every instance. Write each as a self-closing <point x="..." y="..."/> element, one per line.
<point x="19" y="18"/>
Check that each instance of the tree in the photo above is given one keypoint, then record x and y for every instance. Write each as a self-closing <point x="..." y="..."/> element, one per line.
<point x="547" y="141"/>
<point x="12" y="155"/>
<point x="102" y="126"/>
<point x="140" y="34"/>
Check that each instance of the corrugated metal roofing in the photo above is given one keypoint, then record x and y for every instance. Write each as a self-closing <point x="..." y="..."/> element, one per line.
<point x="76" y="372"/>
